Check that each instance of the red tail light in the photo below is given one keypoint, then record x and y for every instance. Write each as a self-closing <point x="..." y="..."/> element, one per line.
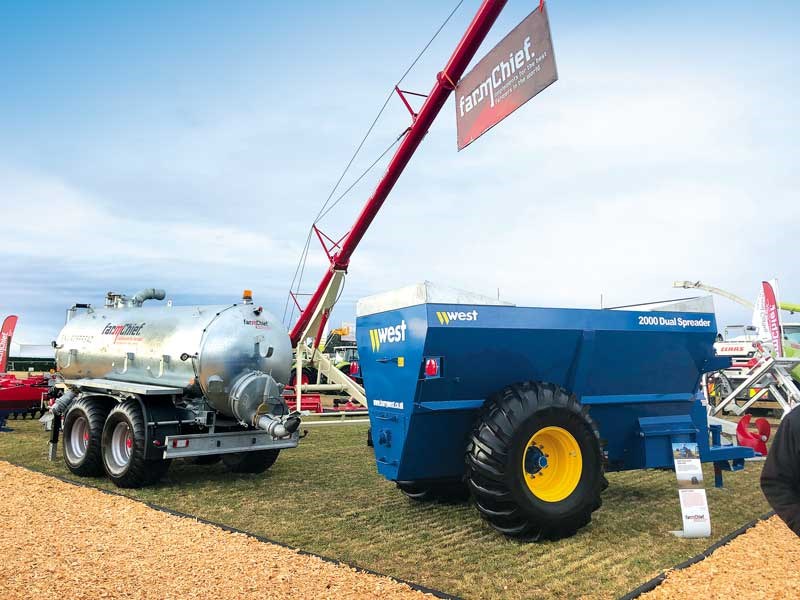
<point x="432" y="367"/>
<point x="354" y="369"/>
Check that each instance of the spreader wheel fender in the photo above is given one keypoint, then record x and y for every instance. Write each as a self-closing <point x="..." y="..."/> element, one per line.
<point x="534" y="463"/>
<point x="81" y="433"/>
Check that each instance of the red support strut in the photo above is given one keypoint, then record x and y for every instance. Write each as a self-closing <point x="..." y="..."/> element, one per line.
<point x="481" y="23"/>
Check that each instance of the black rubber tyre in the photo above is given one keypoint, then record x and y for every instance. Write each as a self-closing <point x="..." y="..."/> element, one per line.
<point x="122" y="445"/>
<point x="415" y="490"/>
<point x="497" y="454"/>
<point x="81" y="434"/>
<point x="443" y="491"/>
<point x="250" y="462"/>
<point x="209" y="459"/>
<point x="309" y="377"/>
<point x="370" y="443"/>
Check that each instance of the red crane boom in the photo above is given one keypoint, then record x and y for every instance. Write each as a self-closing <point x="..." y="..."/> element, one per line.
<point x="316" y="313"/>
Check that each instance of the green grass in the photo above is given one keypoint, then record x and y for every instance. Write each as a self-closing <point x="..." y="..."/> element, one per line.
<point x="326" y="497"/>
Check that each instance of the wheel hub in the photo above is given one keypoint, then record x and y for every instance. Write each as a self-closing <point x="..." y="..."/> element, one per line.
<point x="78" y="442"/>
<point x="552" y="464"/>
<point x="535" y="460"/>
<point x="119" y="451"/>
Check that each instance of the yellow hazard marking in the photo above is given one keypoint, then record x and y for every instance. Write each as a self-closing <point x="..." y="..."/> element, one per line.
<point x="375" y="340"/>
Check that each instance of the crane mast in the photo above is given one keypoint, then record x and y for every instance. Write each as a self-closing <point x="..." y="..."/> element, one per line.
<point x="714" y="290"/>
<point x="314" y="316"/>
<point x="792" y="308"/>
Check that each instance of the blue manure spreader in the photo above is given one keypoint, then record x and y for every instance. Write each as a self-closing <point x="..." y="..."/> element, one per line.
<point x="526" y="408"/>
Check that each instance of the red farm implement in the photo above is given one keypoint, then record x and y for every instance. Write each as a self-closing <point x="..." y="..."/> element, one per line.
<point x="22" y="397"/>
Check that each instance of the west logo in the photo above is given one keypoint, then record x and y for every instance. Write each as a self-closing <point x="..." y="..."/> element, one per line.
<point x="387" y="335"/>
<point x="446" y="316"/>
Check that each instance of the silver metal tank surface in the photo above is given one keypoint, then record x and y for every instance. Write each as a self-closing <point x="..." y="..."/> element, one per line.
<point x="174" y="346"/>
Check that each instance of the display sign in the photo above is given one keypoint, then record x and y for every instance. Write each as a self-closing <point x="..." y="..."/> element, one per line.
<point x="513" y="72"/>
<point x="6" y="333"/>
<point x="772" y="316"/>
<point x="766" y="316"/>
<point x="692" y="494"/>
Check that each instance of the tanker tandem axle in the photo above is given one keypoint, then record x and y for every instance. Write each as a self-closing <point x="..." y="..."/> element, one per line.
<point x="146" y="384"/>
<point x="526" y="408"/>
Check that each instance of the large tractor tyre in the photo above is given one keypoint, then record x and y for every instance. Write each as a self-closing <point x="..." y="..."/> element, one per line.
<point x="250" y="462"/>
<point x="123" y="448"/>
<point x="81" y="434"/>
<point x="534" y="464"/>
<point x="444" y="491"/>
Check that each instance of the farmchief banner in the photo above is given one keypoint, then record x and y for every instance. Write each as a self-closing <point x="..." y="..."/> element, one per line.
<point x="515" y="70"/>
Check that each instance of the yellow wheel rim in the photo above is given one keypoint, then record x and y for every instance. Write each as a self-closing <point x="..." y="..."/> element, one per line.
<point x="552" y="464"/>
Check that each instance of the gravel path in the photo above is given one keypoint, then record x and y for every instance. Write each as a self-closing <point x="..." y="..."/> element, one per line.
<point x="763" y="562"/>
<point x="63" y="541"/>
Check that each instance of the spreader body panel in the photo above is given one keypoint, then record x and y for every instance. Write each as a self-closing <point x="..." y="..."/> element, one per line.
<point x="428" y="369"/>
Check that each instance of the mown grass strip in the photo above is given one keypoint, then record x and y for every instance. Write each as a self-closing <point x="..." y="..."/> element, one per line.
<point x="326" y="498"/>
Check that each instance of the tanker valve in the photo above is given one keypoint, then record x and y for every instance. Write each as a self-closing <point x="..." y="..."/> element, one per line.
<point x="279" y="428"/>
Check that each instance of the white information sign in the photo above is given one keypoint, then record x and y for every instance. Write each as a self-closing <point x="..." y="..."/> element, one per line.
<point x="692" y="494"/>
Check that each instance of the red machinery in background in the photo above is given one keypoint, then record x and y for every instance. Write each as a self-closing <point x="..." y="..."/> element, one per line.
<point x="757" y="440"/>
<point x="18" y="396"/>
<point x="23" y="397"/>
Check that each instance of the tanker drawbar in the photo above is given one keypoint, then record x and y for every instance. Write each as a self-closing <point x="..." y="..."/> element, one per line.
<point x="143" y="385"/>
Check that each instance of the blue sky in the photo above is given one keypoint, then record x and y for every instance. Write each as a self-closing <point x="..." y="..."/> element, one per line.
<point x="188" y="145"/>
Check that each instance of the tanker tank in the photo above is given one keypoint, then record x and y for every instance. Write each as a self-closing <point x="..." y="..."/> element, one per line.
<point x="201" y="378"/>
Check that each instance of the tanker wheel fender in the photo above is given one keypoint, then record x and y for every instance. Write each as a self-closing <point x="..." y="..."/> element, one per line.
<point x="123" y="448"/>
<point x="81" y="435"/>
<point x="534" y="462"/>
<point x="256" y="461"/>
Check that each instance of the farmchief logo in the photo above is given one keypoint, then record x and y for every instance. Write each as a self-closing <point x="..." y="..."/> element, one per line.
<point x="127" y="330"/>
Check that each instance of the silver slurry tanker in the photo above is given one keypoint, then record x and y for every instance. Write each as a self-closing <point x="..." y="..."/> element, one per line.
<point x="146" y="384"/>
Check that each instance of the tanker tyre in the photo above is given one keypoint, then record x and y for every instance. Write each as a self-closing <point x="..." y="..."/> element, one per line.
<point x="156" y="469"/>
<point x="534" y="463"/>
<point x="209" y="459"/>
<point x="122" y="446"/>
<point x="81" y="435"/>
<point x="250" y="462"/>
